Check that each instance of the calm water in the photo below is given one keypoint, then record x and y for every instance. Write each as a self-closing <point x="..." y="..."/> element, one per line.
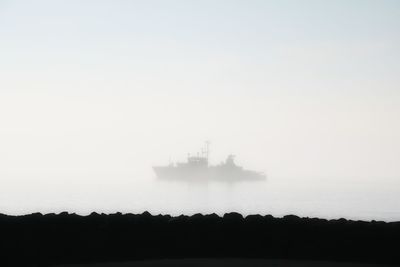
<point x="328" y="198"/>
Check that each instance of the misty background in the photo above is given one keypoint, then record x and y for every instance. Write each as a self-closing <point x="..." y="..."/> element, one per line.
<point x="94" y="93"/>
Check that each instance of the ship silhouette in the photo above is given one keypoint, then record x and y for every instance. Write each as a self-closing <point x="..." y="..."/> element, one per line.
<point x="198" y="168"/>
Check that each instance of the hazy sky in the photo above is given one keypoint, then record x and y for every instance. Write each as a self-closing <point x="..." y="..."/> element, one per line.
<point x="294" y="88"/>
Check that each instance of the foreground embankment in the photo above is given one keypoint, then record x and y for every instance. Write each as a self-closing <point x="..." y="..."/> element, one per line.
<point x="44" y="240"/>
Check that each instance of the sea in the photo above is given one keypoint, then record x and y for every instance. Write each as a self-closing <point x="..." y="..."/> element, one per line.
<point x="125" y="192"/>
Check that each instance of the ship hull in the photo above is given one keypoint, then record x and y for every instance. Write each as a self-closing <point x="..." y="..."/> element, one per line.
<point x="206" y="174"/>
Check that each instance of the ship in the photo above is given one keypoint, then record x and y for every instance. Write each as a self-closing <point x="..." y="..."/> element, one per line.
<point x="197" y="168"/>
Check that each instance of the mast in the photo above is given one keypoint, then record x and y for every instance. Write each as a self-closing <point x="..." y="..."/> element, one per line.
<point x="207" y="151"/>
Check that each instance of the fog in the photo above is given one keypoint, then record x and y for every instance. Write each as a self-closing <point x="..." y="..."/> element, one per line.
<point x="93" y="94"/>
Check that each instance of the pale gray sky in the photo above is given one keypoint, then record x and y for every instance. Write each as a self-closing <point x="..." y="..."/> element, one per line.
<point x="299" y="89"/>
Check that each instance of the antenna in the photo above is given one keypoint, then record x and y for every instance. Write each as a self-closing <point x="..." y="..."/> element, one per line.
<point x="207" y="149"/>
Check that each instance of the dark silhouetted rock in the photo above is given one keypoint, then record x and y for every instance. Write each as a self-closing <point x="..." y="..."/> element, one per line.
<point x="45" y="240"/>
